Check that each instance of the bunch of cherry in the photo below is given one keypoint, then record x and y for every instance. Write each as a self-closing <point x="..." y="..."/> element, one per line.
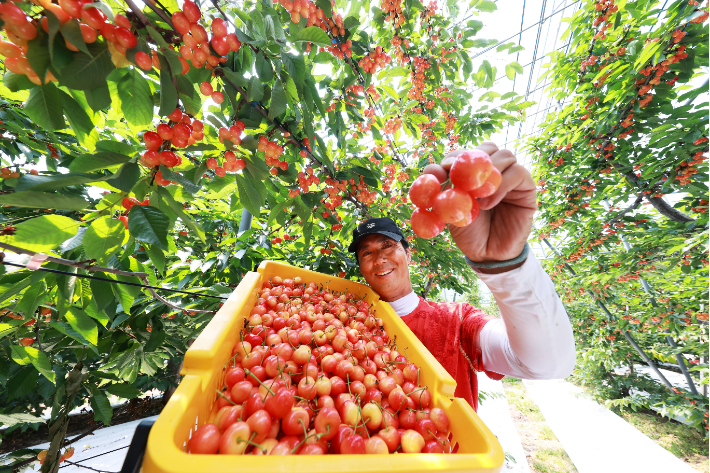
<point x="374" y="60"/>
<point x="314" y="373"/>
<point x="473" y="176"/>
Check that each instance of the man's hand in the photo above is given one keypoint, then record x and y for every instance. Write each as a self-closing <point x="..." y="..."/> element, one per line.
<point x="504" y="224"/>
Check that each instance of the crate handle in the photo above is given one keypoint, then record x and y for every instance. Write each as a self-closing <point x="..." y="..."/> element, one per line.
<point x="136" y="451"/>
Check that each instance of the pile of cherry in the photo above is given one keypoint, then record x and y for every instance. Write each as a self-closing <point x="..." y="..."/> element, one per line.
<point x="473" y="177"/>
<point x="314" y="373"/>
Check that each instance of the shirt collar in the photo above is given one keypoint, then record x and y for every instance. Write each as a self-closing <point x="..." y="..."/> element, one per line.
<point x="406" y="305"/>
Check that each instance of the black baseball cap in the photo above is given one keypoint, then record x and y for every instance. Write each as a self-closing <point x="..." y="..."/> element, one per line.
<point x="383" y="226"/>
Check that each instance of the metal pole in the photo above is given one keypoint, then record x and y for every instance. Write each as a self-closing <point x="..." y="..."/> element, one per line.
<point x="245" y="223"/>
<point x="626" y="334"/>
<point x="678" y="357"/>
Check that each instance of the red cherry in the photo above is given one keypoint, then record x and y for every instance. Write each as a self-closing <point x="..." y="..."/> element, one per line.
<point x="205" y="440"/>
<point x="471" y="216"/>
<point x="164" y="131"/>
<point x="125" y="38"/>
<point x="181" y="23"/>
<point x="426" y="224"/>
<point x="175" y="115"/>
<point x="144" y="61"/>
<point x="220" y="171"/>
<point x="94" y="17"/>
<point x="168" y="159"/>
<point x="218" y="97"/>
<point x="191" y="11"/>
<point x="452" y="205"/>
<point x="470" y="170"/>
<point x="219" y="27"/>
<point x="424" y="190"/>
<point x="211" y="163"/>
<point x="220" y="45"/>
<point x="490" y="186"/>
<point x="206" y="88"/>
<point x="152" y="140"/>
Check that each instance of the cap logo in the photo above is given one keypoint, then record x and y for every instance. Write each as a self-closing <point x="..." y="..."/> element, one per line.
<point x="370" y="225"/>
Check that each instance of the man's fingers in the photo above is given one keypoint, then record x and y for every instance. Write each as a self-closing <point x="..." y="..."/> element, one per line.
<point x="488" y="147"/>
<point x="491" y="149"/>
<point x="517" y="187"/>
<point x="503" y="159"/>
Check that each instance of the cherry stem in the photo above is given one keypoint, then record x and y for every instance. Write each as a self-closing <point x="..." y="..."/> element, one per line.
<point x="249" y="442"/>
<point x="220" y="393"/>
<point x="254" y="376"/>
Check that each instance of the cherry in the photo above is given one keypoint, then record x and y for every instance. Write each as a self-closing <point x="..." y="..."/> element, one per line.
<point x="473" y="215"/>
<point x="191" y="11"/>
<point x="452" y="205"/>
<point x="152" y="140"/>
<point x="164" y="131"/>
<point x="205" y="439"/>
<point x="424" y="190"/>
<point x="220" y="45"/>
<point x="412" y="441"/>
<point x="470" y="170"/>
<point x="175" y="115"/>
<point x="219" y="27"/>
<point x="489" y="187"/>
<point x="72" y="8"/>
<point x="142" y="59"/>
<point x="181" y="23"/>
<point x="206" y="88"/>
<point x="218" y="97"/>
<point x="260" y="423"/>
<point x="125" y="38"/>
<point x="426" y="224"/>
<point x="168" y="159"/>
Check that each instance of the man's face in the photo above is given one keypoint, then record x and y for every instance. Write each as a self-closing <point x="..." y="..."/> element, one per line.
<point x="385" y="265"/>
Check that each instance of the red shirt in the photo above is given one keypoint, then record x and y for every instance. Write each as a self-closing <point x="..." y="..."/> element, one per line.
<point x="442" y="327"/>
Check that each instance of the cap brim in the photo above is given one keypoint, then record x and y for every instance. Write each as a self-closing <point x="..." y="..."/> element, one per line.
<point x="353" y="246"/>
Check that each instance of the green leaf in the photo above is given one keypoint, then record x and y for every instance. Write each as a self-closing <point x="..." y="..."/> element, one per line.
<point x="79" y="120"/>
<point x="513" y="68"/>
<point x="20" y="418"/>
<point x="249" y="196"/>
<point x="125" y="391"/>
<point x="126" y="177"/>
<point x="278" y="103"/>
<point x="16" y="82"/>
<point x="186" y="183"/>
<point x="38" y="53"/>
<point x="104" y="238"/>
<point x="82" y="324"/>
<point x="255" y="92"/>
<point x="58" y="181"/>
<point x="102" y="408"/>
<point x="157" y="256"/>
<point x="136" y="100"/>
<point x="72" y="33"/>
<point x="487" y="6"/>
<point x="30" y="355"/>
<point x="116" y="147"/>
<point x="35" y="295"/>
<point x="98" y="98"/>
<point x="180" y="212"/>
<point x="168" y="93"/>
<point x="149" y="224"/>
<point x="88" y="71"/>
<point x="41" y="234"/>
<point x="44" y="107"/>
<point x="312" y="34"/>
<point x="101" y="160"/>
<point x="43" y="200"/>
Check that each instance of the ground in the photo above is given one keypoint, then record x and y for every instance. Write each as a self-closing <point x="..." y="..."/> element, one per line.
<point x="545" y="453"/>
<point x="542" y="449"/>
<point x="681" y="440"/>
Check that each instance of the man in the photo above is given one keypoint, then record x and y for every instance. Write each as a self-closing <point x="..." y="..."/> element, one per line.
<point x="533" y="340"/>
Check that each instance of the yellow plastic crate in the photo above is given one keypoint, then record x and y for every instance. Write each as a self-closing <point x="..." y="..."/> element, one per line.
<point x="194" y="402"/>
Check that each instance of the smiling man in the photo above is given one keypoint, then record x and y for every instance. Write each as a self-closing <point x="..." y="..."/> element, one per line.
<point x="532" y="340"/>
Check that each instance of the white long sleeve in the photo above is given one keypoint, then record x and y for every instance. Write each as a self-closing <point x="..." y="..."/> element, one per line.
<point x="534" y="338"/>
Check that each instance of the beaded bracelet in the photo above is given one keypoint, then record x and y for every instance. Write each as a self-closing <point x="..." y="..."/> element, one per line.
<point x="500" y="264"/>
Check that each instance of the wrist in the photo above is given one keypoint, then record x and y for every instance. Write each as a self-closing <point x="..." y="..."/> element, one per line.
<point x="502" y="269"/>
<point x="497" y="267"/>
